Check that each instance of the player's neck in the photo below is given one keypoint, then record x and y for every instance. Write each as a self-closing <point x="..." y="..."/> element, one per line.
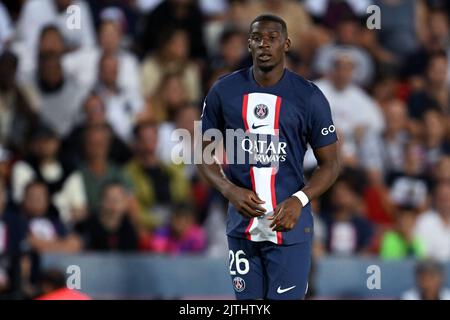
<point x="269" y="78"/>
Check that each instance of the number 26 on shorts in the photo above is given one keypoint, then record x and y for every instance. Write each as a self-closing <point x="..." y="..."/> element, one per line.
<point x="241" y="263"/>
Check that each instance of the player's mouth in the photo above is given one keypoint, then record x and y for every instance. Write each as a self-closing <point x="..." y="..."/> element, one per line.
<point x="264" y="57"/>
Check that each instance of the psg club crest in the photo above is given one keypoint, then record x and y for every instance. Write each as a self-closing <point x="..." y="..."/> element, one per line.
<point x="238" y="284"/>
<point x="261" y="111"/>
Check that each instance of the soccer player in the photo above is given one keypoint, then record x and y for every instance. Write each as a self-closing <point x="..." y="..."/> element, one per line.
<point x="269" y="219"/>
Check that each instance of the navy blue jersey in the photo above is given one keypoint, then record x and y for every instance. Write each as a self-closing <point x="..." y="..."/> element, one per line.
<point x="292" y="113"/>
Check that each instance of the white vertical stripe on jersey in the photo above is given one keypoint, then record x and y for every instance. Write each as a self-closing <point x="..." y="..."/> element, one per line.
<point x="259" y="228"/>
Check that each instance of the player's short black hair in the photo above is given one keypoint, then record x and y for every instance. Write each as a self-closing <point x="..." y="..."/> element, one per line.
<point x="273" y="18"/>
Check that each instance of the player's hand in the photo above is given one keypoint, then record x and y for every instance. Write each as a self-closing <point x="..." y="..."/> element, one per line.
<point x="245" y="201"/>
<point x="286" y="214"/>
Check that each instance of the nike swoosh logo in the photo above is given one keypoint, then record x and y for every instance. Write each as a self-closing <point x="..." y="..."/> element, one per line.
<point x="256" y="127"/>
<point x="280" y="291"/>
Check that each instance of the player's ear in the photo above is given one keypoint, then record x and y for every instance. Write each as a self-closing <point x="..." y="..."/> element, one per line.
<point x="287" y="45"/>
<point x="248" y="45"/>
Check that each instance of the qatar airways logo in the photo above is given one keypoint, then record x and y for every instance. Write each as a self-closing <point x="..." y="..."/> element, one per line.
<point x="264" y="151"/>
<point x="232" y="146"/>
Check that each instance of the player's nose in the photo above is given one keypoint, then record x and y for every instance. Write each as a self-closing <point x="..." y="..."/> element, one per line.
<point x="264" y="43"/>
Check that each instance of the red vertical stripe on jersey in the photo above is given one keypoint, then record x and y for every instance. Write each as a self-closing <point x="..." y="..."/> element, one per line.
<point x="244" y="111"/>
<point x="274" y="201"/>
<point x="277" y="114"/>
<point x="247" y="231"/>
<point x="272" y="180"/>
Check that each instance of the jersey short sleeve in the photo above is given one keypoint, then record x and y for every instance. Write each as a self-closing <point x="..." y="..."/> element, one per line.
<point x="322" y="131"/>
<point x="212" y="115"/>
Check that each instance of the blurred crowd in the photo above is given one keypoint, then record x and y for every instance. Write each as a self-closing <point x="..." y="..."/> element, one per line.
<point x="87" y="109"/>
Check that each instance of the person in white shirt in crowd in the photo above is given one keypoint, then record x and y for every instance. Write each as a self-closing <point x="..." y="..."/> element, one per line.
<point x="433" y="226"/>
<point x="51" y="41"/>
<point x="64" y="182"/>
<point x="57" y="96"/>
<point x="83" y="63"/>
<point x="346" y="41"/>
<point x="430" y="283"/>
<point x="6" y="30"/>
<point x="73" y="18"/>
<point x="384" y="153"/>
<point x="354" y="111"/>
<point x="122" y="105"/>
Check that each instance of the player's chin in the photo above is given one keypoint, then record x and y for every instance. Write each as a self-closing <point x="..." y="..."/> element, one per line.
<point x="266" y="66"/>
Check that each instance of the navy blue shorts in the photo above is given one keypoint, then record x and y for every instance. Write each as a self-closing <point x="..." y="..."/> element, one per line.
<point x="265" y="270"/>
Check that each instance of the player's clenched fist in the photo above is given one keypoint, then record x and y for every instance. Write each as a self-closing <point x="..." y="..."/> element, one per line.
<point x="286" y="214"/>
<point x="245" y="201"/>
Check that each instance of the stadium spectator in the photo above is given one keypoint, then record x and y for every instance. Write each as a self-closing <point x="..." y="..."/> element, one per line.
<point x="16" y="112"/>
<point x="433" y="226"/>
<point x="51" y="42"/>
<point x="122" y="105"/>
<point x="184" y="14"/>
<point x="435" y="93"/>
<point x="434" y="39"/>
<point x="37" y="14"/>
<point x="45" y="233"/>
<point x="58" y="97"/>
<point x="84" y="62"/>
<point x="410" y="186"/>
<point x="232" y="50"/>
<point x="172" y="56"/>
<point x="430" y="283"/>
<point x="97" y="169"/>
<point x="155" y="184"/>
<point x="94" y="114"/>
<point x="111" y="229"/>
<point x="347" y="37"/>
<point x="354" y="112"/>
<point x="385" y="90"/>
<point x="403" y="25"/>
<point x="180" y="235"/>
<point x="400" y="242"/>
<point x="169" y="98"/>
<point x="435" y="137"/>
<point x="348" y="232"/>
<point x="64" y="182"/>
<point x="384" y="152"/>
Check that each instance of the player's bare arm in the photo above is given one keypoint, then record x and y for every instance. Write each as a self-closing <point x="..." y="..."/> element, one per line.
<point x="287" y="213"/>
<point x="244" y="200"/>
